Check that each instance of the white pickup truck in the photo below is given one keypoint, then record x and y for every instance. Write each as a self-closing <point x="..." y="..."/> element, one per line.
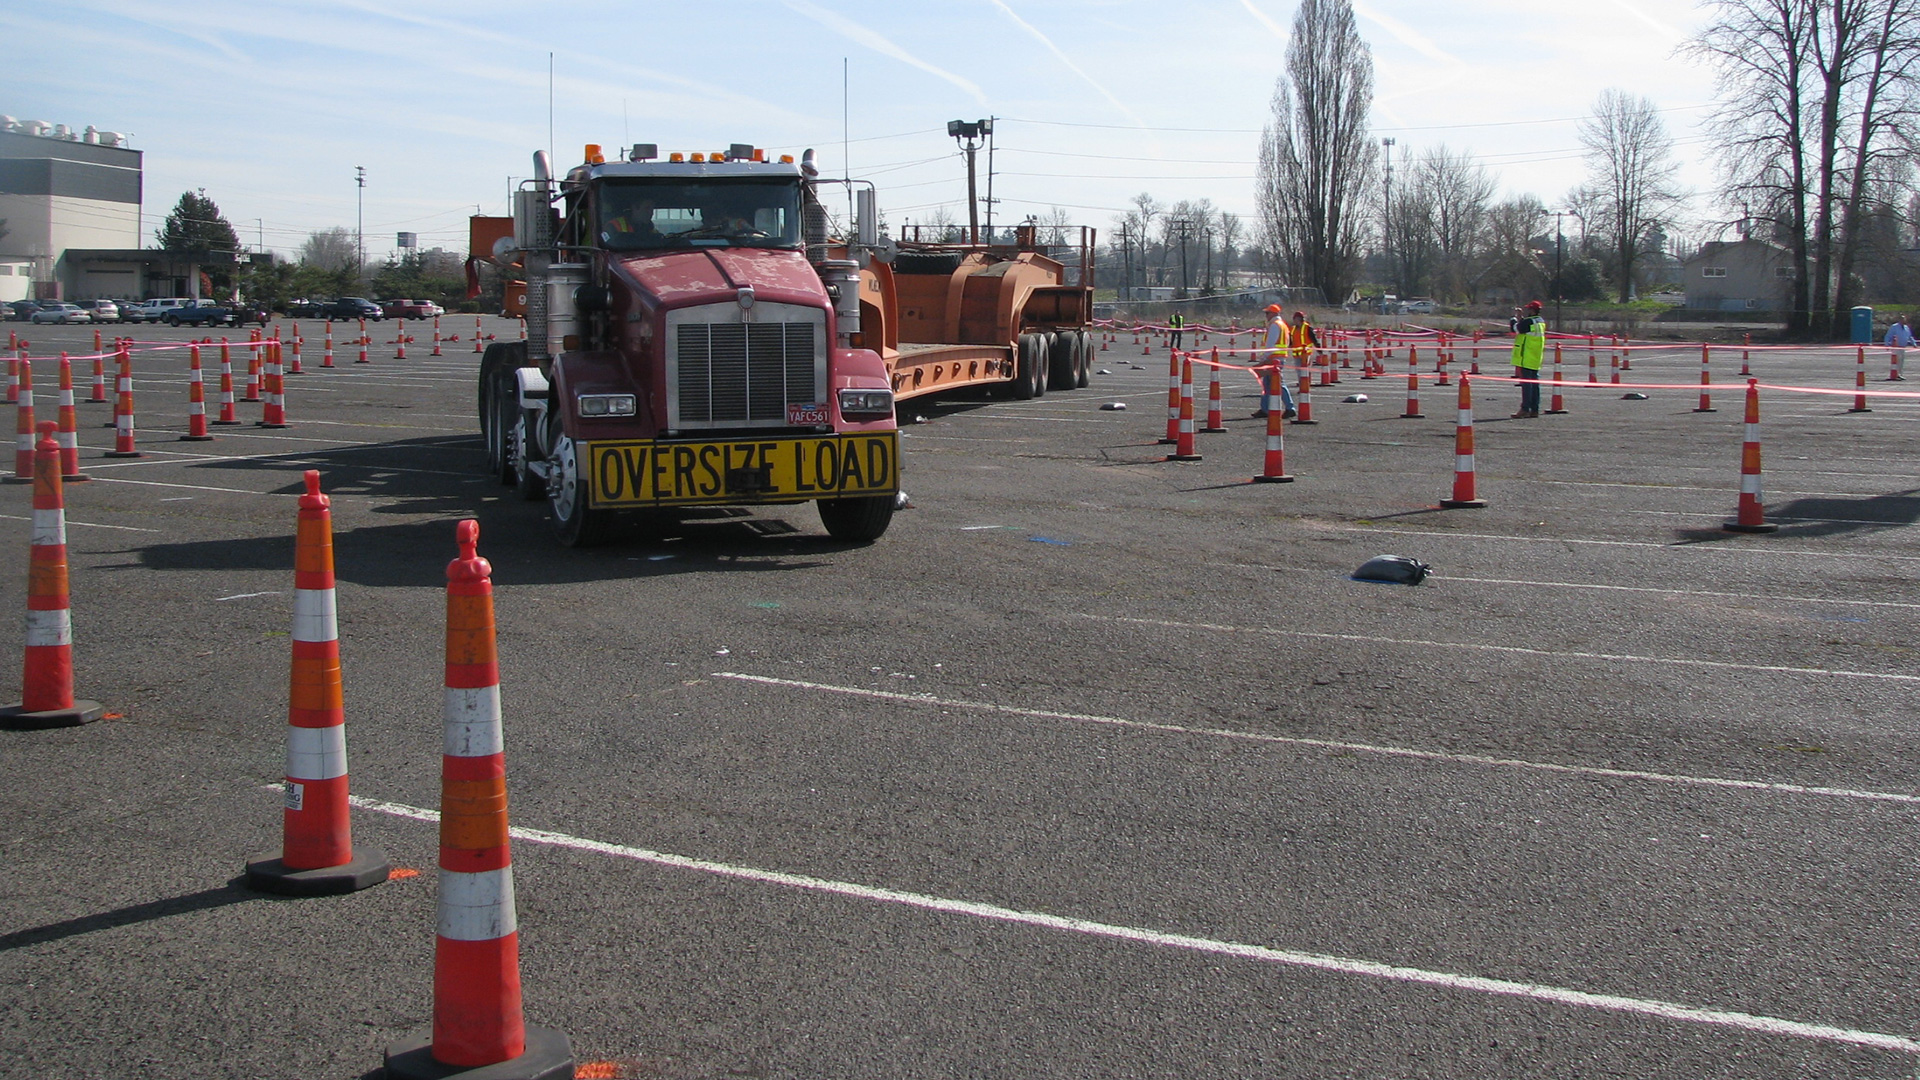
<point x="148" y="311"/>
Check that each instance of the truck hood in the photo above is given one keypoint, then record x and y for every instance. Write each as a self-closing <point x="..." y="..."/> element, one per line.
<point x="682" y="278"/>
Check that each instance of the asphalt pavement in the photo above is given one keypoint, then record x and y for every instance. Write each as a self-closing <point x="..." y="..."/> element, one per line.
<point x="1096" y="765"/>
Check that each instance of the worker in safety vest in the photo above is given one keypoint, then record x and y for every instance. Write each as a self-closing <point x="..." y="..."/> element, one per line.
<point x="1529" y="348"/>
<point x="1271" y="363"/>
<point x="1176" y="322"/>
<point x="1304" y="340"/>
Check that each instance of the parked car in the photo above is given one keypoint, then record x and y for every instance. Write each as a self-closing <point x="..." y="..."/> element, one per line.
<point x="149" y="311"/>
<point x="56" y="312"/>
<point x="101" y="310"/>
<point x="1418" y="307"/>
<point x="20" y="310"/>
<point x="350" y="307"/>
<point x="302" y="309"/>
<point x="411" y="309"/>
<point x="199" y="313"/>
<point x="246" y="312"/>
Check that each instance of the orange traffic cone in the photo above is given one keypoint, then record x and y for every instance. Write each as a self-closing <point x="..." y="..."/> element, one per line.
<point x="316" y="848"/>
<point x="123" y="436"/>
<point x="477" y="1019"/>
<point x="68" y="432"/>
<point x="1753" y="511"/>
<point x="274" y="413"/>
<point x="1275" y="467"/>
<point x="1464" y="496"/>
<point x="23" y="425"/>
<point x="1183" y="432"/>
<point x="46" y="690"/>
<point x="196" y="399"/>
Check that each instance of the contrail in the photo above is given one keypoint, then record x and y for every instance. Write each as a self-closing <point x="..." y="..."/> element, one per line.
<point x="1071" y="66"/>
<point x="1408" y="36"/>
<point x="881" y="45"/>
<point x="1261" y="17"/>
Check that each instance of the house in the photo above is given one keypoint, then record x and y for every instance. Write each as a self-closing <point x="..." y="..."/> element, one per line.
<point x="1739" y="275"/>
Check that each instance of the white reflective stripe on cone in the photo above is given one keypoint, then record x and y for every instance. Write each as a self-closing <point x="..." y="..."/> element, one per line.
<point x="1753" y="432"/>
<point x="49" y="527"/>
<point x="24" y="441"/>
<point x="1463" y="463"/>
<point x="1466" y="417"/>
<point x="472" y="722"/>
<point x="316" y="753"/>
<point x="476" y="907"/>
<point x="1750" y="485"/>
<point x="314" y="616"/>
<point x="49" y="627"/>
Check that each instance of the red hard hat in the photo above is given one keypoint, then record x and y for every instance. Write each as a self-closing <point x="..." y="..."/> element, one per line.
<point x="1299" y="314"/>
<point x="1533" y="305"/>
<point x="1273" y="309"/>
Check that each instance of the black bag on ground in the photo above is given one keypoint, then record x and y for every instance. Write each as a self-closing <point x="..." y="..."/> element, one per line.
<point x="1393" y="569"/>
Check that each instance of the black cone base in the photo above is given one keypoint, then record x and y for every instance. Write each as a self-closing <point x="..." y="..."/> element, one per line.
<point x="1283" y="478"/>
<point x="1763" y="527"/>
<point x="367" y="868"/>
<point x="15" y="717"/>
<point x="1462" y="504"/>
<point x="549" y="1056"/>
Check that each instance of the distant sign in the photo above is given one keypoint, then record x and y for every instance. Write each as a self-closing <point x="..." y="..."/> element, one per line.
<point x="408" y="240"/>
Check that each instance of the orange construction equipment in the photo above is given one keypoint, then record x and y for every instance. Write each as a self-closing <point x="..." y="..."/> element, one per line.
<point x="316" y="842"/>
<point x="1216" y="422"/>
<point x="1753" y="511"/>
<point x="23" y="426"/>
<point x="1706" y="379"/>
<point x="1464" y="495"/>
<point x="196" y="399"/>
<point x="1558" y="406"/>
<point x="477" y="1017"/>
<point x="67" y="434"/>
<point x="1413" y="386"/>
<point x="1183" y="433"/>
<point x="274" y="413"/>
<point x="46" y="689"/>
<point x="1859" y="381"/>
<point x="123" y="438"/>
<point x="1275" y="469"/>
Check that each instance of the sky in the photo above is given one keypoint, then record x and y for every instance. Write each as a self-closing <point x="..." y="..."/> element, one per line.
<point x="269" y="106"/>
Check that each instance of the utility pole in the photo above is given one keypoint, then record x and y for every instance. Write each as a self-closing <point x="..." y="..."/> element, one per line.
<point x="360" y="223"/>
<point x="1182" y="225"/>
<point x="1386" y="217"/>
<point x="970" y="135"/>
<point x="1559" y="283"/>
<point x="1126" y="258"/>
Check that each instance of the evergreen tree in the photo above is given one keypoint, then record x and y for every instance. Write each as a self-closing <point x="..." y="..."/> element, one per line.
<point x="197" y="225"/>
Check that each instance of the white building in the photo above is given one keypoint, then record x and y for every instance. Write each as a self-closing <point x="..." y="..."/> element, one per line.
<point x="61" y="189"/>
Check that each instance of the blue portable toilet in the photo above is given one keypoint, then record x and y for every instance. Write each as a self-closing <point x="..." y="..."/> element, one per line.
<point x="1863" y="326"/>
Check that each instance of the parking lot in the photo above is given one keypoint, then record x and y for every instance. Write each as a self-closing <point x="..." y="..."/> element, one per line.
<point x="1095" y="765"/>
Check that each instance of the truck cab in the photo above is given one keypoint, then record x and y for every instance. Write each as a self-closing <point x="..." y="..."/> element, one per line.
<point x="691" y="341"/>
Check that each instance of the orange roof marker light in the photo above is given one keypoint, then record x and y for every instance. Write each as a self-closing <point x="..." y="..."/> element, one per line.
<point x="759" y="154"/>
<point x="594" y="156"/>
<point x="700" y="159"/>
<point x="676" y="157"/>
<point x="786" y="159"/>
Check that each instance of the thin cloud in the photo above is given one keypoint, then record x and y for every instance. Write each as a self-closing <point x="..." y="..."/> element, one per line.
<point x="863" y="36"/>
<point x="1071" y="66"/>
<point x="1667" y="29"/>
<point x="1261" y="17"/>
<point x="1408" y="36"/>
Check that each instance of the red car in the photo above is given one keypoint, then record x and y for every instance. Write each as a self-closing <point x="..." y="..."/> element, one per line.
<point x="410" y="309"/>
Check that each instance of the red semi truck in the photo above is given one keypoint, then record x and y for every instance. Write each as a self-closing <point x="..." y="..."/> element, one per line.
<point x="695" y="338"/>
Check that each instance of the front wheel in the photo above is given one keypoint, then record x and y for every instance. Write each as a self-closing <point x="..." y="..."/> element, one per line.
<point x="577" y="524"/>
<point x="859" y="521"/>
<point x="173" y="320"/>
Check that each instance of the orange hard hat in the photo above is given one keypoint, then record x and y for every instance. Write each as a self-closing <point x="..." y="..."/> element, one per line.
<point x="1273" y="309"/>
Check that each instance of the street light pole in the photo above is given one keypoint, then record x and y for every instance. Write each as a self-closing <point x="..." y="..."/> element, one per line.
<point x="970" y="135"/>
<point x="1559" y="265"/>
<point x="360" y="223"/>
<point x="1386" y="217"/>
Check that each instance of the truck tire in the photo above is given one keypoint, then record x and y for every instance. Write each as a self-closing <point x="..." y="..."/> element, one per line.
<point x="1030" y="367"/>
<point x="926" y="262"/>
<point x="529" y="485"/>
<point x="499" y="405"/>
<point x="1083" y="359"/>
<point x="173" y="320"/>
<point x="1063" y="368"/>
<point x="857" y="521"/>
<point x="574" y="522"/>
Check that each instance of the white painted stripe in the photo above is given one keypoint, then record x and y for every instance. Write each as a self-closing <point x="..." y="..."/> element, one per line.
<point x="1515" y="650"/>
<point x="240" y="596"/>
<point x="314" y="617"/>
<point x="476" y="907"/>
<point x="49" y="527"/>
<point x="471" y="719"/>
<point x="1334" y="744"/>
<point x="1698" y="549"/>
<point x="49" y="627"/>
<point x="316" y="753"/>
<point x="1663" y="1010"/>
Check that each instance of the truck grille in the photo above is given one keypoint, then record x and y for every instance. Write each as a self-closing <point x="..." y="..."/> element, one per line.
<point x="745" y="374"/>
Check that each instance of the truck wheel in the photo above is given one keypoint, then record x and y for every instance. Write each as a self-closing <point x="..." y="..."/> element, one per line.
<point x="857" y="521"/>
<point x="173" y="320"/>
<point x="499" y="406"/>
<point x="1063" y="373"/>
<point x="1030" y="367"/>
<point x="531" y="486"/>
<point x="577" y="524"/>
<point x="1083" y="359"/>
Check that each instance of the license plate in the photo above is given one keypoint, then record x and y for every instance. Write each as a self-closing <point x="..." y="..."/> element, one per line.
<point x="642" y="473"/>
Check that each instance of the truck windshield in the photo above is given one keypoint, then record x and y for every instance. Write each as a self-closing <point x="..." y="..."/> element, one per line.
<point x="651" y="215"/>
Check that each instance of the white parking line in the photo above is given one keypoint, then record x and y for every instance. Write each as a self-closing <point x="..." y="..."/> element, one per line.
<point x="1331" y="744"/>
<point x="83" y="524"/>
<point x="1742" y="549"/>
<point x="1514" y="650"/>
<point x="1583" y="585"/>
<point x="1663" y="1010"/>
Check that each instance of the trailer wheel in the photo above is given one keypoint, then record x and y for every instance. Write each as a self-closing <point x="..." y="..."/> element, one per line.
<point x="1030" y="367"/>
<point x="1083" y="359"/>
<point x="1063" y="369"/>
<point x="857" y="521"/>
<point x="577" y="524"/>
<point x="529" y="485"/>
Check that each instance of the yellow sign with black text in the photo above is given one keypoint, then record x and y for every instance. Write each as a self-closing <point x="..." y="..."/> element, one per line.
<point x="641" y="473"/>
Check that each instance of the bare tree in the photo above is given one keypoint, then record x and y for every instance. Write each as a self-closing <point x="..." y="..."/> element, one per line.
<point x="1409" y="225"/>
<point x="1231" y="231"/>
<point x="1458" y="192"/>
<point x="330" y="249"/>
<point x="1509" y="260"/>
<point x="1316" y="157"/>
<point x="1630" y="180"/>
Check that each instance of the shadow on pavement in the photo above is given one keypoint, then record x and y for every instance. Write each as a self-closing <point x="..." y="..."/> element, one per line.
<point x="206" y="899"/>
<point x="1818" y="517"/>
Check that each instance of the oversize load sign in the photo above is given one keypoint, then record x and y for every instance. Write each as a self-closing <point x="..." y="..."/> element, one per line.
<point x="763" y="470"/>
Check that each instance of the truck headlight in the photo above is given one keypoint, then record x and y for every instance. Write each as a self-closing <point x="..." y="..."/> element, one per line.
<point x="605" y="404"/>
<point x="866" y="403"/>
